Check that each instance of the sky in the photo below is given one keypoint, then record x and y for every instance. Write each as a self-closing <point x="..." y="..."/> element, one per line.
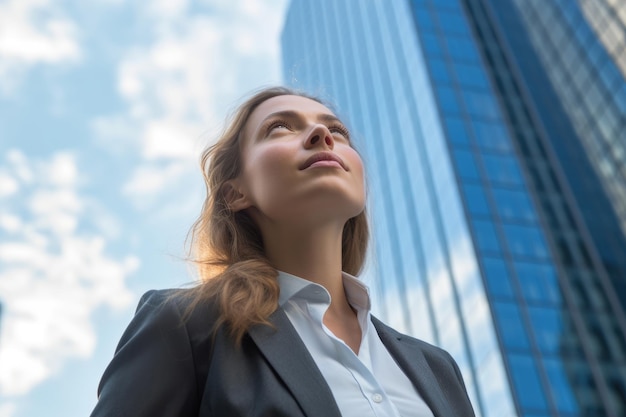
<point x="105" y="106"/>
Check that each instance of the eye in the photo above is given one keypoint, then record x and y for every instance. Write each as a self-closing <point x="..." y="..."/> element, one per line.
<point x="339" y="129"/>
<point x="278" y="125"/>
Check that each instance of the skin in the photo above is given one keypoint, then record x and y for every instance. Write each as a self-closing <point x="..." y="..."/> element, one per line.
<point x="301" y="212"/>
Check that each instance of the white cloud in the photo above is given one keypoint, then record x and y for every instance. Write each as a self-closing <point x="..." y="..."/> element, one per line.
<point x="10" y="223"/>
<point x="178" y="87"/>
<point x="150" y="178"/>
<point x="33" y="32"/>
<point x="8" y="185"/>
<point x="54" y="273"/>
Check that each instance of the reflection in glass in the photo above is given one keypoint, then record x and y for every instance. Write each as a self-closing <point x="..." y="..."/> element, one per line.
<point x="538" y="282"/>
<point x="491" y="136"/>
<point x="497" y="276"/>
<point x="502" y="169"/>
<point x="511" y="326"/>
<point x="513" y="204"/>
<point x="475" y="199"/>
<point x="527" y="383"/>
<point x="466" y="164"/>
<point x="486" y="237"/>
<point x="525" y="241"/>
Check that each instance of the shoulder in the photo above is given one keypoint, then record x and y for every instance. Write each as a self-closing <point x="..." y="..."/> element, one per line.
<point x="176" y="308"/>
<point x="163" y="355"/>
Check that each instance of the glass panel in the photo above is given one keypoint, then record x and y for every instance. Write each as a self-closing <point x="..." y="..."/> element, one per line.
<point x="480" y="104"/>
<point x="462" y="49"/>
<point x="424" y="19"/>
<point x="486" y="237"/>
<point x="491" y="136"/>
<point x="465" y="164"/>
<point x="431" y="44"/>
<point x="538" y="282"/>
<point x="448" y="99"/>
<point x="513" y="204"/>
<point x="455" y="129"/>
<point x="470" y="75"/>
<point x="548" y="329"/>
<point x="510" y="325"/>
<point x="453" y="23"/>
<point x="439" y="70"/>
<point x="525" y="241"/>
<point x="560" y="386"/>
<point x="475" y="199"/>
<point x="497" y="277"/>
<point x="502" y="169"/>
<point x="448" y="4"/>
<point x="527" y="384"/>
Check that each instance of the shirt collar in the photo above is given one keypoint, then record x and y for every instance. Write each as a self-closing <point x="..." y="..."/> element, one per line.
<point x="294" y="287"/>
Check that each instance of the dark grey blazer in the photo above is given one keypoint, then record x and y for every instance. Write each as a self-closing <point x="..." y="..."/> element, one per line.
<point x="166" y="367"/>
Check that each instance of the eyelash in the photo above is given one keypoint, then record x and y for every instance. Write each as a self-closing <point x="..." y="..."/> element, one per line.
<point x="277" y="123"/>
<point x="340" y="129"/>
<point x="332" y="128"/>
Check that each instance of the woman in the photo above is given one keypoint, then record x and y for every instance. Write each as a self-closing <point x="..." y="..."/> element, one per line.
<point x="279" y="326"/>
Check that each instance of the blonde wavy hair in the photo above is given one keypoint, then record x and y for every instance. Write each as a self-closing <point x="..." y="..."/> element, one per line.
<point x="228" y="247"/>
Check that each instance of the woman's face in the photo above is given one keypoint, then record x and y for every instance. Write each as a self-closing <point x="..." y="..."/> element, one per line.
<point x="298" y="165"/>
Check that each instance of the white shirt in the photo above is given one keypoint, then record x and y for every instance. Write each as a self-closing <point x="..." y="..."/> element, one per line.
<point x="370" y="384"/>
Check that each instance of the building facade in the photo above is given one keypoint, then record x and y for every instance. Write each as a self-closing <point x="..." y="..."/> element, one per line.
<point x="484" y="194"/>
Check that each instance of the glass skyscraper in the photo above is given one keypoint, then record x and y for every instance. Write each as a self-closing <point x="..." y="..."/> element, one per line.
<point x="493" y="135"/>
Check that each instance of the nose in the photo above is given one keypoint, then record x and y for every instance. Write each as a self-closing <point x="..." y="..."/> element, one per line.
<point x="319" y="136"/>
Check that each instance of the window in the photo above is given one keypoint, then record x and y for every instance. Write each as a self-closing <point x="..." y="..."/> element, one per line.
<point x="455" y="128"/>
<point x="502" y="169"/>
<point x="513" y="205"/>
<point x="560" y="386"/>
<point x="480" y="104"/>
<point x="453" y="23"/>
<point x="485" y="235"/>
<point x="547" y="326"/>
<point x="465" y="164"/>
<point x="527" y="384"/>
<point x="497" y="277"/>
<point x="475" y="199"/>
<point x="461" y="48"/>
<point x="470" y="75"/>
<point x="424" y="19"/>
<point x="525" y="241"/>
<point x="439" y="70"/>
<point x="491" y="136"/>
<point x="448" y="99"/>
<point x="609" y="74"/>
<point x="431" y="44"/>
<point x="510" y="325"/>
<point x="448" y="4"/>
<point x="538" y="282"/>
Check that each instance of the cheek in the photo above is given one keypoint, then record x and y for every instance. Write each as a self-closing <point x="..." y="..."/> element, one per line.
<point x="268" y="168"/>
<point x="356" y="165"/>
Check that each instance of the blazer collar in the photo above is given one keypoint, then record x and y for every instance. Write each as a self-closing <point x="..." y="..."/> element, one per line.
<point x="287" y="354"/>
<point x="410" y="358"/>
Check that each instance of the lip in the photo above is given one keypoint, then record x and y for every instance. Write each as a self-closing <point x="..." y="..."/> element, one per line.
<point x="323" y="156"/>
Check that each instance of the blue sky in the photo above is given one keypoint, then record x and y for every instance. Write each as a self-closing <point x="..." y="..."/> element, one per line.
<point x="104" y="108"/>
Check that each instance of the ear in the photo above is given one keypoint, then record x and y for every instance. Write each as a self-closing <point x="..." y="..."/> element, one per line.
<point x="235" y="199"/>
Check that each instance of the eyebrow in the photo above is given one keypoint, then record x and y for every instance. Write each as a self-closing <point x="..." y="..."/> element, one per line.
<point x="290" y="114"/>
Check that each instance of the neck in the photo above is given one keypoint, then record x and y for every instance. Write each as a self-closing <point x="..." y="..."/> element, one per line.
<point x="313" y="254"/>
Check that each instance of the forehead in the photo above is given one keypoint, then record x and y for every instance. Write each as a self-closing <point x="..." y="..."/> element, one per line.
<point x="303" y="105"/>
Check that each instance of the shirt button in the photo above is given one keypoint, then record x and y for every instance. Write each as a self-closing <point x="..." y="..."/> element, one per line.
<point x="377" y="398"/>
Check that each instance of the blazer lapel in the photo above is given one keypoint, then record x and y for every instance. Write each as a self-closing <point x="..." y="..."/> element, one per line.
<point x="287" y="354"/>
<point x="412" y="361"/>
